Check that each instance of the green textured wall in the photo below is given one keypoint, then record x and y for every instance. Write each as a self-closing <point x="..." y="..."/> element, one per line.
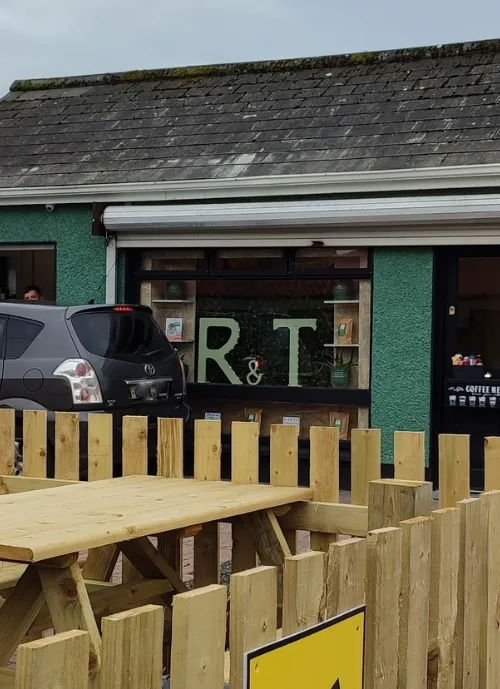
<point x="80" y="258"/>
<point x="401" y="342"/>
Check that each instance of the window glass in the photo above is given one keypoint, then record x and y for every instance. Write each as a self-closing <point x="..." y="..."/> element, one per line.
<point x="275" y="332"/>
<point x="268" y="413"/>
<point x="330" y="259"/>
<point x="21" y="332"/>
<point x="127" y="336"/>
<point x="173" y="259"/>
<point x="265" y="316"/>
<point x="270" y="261"/>
<point x="478" y="310"/>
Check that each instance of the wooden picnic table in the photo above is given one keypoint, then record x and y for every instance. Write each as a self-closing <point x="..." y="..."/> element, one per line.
<point x="46" y="529"/>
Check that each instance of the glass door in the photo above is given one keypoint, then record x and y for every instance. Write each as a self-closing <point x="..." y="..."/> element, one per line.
<point x="471" y="349"/>
<point x="478" y="311"/>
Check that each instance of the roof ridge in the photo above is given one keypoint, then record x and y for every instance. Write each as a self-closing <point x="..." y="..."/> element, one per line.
<point x="195" y="72"/>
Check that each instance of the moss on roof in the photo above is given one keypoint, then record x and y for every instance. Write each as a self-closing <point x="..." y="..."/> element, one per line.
<point x="203" y="71"/>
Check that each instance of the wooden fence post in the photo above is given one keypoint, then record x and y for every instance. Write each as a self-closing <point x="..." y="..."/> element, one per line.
<point x="170" y="464"/>
<point x="199" y="638"/>
<point x="132" y="649"/>
<point x="135" y="445"/>
<point x="413" y="609"/>
<point x="100" y="446"/>
<point x="345" y="576"/>
<point x="383" y="584"/>
<point x="391" y="502"/>
<point x="469" y="594"/>
<point x="134" y="462"/>
<point x="489" y="664"/>
<point x="445" y="557"/>
<point x="170" y="448"/>
<point x="253" y="613"/>
<point x="409" y="456"/>
<point x="491" y="464"/>
<point x="67" y="450"/>
<point x="303" y="591"/>
<point x="55" y="661"/>
<point x="7" y="440"/>
<point x="324" y="475"/>
<point x="454" y="469"/>
<point x="366" y="462"/>
<point x="35" y="443"/>
<point x="100" y="562"/>
<point x="244" y="470"/>
<point x="207" y="457"/>
<point x="284" y="450"/>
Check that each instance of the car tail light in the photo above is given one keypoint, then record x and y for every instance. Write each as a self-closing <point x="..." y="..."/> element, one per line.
<point x="83" y="381"/>
<point x="123" y="309"/>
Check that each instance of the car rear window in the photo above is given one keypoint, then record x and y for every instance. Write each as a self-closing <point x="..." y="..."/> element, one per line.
<point x="128" y="336"/>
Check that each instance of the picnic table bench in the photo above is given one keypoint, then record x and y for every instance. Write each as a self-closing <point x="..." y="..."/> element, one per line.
<point x="45" y="530"/>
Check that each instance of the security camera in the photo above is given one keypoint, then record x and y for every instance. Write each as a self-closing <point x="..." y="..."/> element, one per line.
<point x="50" y="207"/>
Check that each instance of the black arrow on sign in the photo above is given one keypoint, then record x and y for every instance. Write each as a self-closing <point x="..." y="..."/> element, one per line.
<point x="336" y="685"/>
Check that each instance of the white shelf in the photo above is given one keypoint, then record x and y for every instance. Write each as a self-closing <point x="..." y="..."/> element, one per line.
<point x="172" y="301"/>
<point x="340" y="346"/>
<point x="341" y="301"/>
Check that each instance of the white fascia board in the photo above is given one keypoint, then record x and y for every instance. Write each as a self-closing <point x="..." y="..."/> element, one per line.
<point x="313" y="213"/>
<point x="371" y="182"/>
<point x="338" y="237"/>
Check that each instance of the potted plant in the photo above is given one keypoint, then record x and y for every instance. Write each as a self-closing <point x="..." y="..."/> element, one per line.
<point x="343" y="290"/>
<point x="340" y="368"/>
<point x="175" y="290"/>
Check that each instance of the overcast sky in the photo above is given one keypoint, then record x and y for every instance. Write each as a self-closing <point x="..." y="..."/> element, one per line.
<point x="62" y="37"/>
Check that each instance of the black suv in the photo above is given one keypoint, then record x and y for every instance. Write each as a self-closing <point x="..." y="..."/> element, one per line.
<point x="88" y="359"/>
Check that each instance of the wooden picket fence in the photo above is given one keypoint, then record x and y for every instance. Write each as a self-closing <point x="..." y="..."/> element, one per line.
<point x="430" y="577"/>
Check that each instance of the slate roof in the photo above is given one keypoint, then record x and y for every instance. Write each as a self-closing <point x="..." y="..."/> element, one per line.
<point x="393" y="110"/>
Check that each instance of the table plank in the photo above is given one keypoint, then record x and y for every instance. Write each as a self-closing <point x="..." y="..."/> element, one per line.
<point x="57" y="521"/>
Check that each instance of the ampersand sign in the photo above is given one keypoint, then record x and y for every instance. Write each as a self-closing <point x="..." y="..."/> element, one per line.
<point x="253" y="377"/>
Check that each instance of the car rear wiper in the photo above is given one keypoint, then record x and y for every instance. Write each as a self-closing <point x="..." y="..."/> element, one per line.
<point x="152" y="352"/>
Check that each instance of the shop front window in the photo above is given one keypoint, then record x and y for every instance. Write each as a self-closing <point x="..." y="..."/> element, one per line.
<point x="278" y="333"/>
<point x="286" y="330"/>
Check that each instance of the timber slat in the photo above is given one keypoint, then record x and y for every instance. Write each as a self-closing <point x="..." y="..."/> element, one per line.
<point x="429" y="578"/>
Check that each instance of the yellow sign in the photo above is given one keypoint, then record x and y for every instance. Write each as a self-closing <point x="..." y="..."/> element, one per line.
<point x="327" y="656"/>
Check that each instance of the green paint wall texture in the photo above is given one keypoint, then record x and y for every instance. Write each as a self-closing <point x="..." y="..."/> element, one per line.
<point x="80" y="258"/>
<point x="401" y="343"/>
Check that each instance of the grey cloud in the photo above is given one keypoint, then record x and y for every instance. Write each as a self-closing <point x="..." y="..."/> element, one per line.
<point x="61" y="37"/>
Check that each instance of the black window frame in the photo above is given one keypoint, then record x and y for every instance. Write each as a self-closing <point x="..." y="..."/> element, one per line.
<point x="358" y="397"/>
<point x="210" y="271"/>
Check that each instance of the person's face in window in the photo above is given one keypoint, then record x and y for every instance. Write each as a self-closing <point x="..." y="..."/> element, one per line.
<point x="32" y="295"/>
